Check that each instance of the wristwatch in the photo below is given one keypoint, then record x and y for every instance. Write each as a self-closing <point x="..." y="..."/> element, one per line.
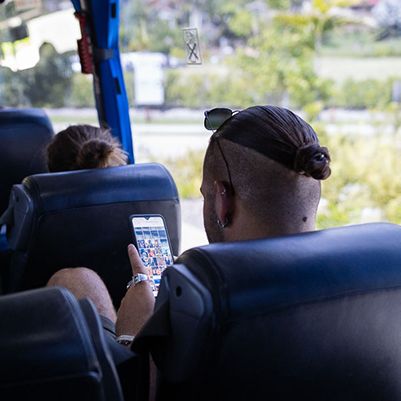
<point x="136" y="279"/>
<point x="125" y="339"/>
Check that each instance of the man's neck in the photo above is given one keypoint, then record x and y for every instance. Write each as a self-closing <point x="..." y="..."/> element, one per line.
<point x="247" y="227"/>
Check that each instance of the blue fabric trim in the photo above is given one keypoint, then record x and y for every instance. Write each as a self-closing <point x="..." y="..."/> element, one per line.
<point x="76" y="4"/>
<point x="112" y="105"/>
<point x="3" y="240"/>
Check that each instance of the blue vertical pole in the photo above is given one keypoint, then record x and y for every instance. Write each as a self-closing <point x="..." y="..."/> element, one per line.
<point x="110" y="94"/>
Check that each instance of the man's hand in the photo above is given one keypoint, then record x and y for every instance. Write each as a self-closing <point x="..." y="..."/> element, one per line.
<point x="137" y="305"/>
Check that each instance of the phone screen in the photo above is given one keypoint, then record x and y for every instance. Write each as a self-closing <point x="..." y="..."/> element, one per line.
<point x="153" y="246"/>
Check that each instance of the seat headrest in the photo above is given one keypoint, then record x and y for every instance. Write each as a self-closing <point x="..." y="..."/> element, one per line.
<point x="13" y="117"/>
<point x="310" y="314"/>
<point x="24" y="136"/>
<point x="86" y="211"/>
<point x="44" y="338"/>
<point x="276" y="272"/>
<point x="67" y="190"/>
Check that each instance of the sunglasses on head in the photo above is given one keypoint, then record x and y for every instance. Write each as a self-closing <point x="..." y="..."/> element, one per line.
<point x="215" y="118"/>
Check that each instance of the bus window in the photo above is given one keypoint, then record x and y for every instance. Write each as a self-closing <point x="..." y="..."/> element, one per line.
<point x="336" y="63"/>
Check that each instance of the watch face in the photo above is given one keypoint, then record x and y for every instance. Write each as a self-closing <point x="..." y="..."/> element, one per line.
<point x="140" y="277"/>
<point x="137" y="278"/>
<point x="125" y="340"/>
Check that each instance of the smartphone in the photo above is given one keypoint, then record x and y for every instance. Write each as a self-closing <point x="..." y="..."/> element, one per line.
<point x="153" y="245"/>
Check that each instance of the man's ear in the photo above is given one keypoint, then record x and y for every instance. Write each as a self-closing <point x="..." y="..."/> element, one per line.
<point x="223" y="202"/>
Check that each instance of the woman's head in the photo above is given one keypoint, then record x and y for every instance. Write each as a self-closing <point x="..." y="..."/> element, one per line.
<point x="83" y="147"/>
<point x="271" y="162"/>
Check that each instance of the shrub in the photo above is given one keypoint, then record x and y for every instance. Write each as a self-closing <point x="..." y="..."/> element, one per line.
<point x="364" y="94"/>
<point x="187" y="173"/>
<point x="81" y="91"/>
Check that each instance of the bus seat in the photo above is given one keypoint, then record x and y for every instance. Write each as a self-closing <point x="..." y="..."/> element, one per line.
<point x="81" y="218"/>
<point x="48" y="353"/>
<point x="24" y="135"/>
<point x="314" y="316"/>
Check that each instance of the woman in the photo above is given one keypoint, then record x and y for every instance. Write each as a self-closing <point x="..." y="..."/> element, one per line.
<point x="82" y="147"/>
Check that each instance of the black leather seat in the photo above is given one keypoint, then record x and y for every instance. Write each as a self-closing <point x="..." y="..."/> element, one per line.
<point x="24" y="135"/>
<point x="81" y="218"/>
<point x="48" y="353"/>
<point x="315" y="316"/>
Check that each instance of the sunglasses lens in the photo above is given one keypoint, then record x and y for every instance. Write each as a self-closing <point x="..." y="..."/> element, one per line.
<point x="215" y="118"/>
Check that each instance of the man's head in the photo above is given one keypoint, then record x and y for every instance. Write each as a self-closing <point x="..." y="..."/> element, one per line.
<point x="261" y="175"/>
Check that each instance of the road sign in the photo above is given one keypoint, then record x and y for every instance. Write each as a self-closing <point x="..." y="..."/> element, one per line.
<point x="192" y="47"/>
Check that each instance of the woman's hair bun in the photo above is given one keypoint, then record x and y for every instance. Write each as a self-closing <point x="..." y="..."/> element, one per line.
<point x="94" y="153"/>
<point x="313" y="160"/>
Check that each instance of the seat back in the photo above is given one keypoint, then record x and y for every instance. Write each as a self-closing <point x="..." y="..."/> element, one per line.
<point x="312" y="316"/>
<point x="81" y="218"/>
<point x="24" y="135"/>
<point x="47" y="351"/>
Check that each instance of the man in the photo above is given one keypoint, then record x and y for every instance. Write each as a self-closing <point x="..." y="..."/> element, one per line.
<point x="261" y="178"/>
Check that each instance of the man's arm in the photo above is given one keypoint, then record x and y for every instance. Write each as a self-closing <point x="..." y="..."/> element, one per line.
<point x="138" y="304"/>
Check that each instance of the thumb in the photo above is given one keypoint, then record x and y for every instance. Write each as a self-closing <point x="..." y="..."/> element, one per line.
<point x="135" y="260"/>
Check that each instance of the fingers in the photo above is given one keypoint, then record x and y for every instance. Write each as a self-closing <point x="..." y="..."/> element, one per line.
<point x="138" y="304"/>
<point x="135" y="260"/>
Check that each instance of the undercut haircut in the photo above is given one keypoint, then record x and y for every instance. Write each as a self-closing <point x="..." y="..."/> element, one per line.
<point x="275" y="163"/>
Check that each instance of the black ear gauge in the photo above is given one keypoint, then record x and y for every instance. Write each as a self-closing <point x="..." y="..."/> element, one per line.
<point x="223" y="225"/>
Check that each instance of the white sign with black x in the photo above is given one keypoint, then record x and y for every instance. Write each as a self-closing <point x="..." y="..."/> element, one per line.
<point x="192" y="47"/>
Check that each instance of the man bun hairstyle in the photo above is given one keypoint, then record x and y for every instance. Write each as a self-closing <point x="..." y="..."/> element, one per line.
<point x="83" y="147"/>
<point x="280" y="135"/>
<point x="313" y="161"/>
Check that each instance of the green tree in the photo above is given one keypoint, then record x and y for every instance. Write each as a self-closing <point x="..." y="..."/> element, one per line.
<point x="48" y="84"/>
<point x="148" y="26"/>
<point x="81" y="91"/>
<point x="12" y="86"/>
<point x="280" y="60"/>
<point x="388" y="15"/>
